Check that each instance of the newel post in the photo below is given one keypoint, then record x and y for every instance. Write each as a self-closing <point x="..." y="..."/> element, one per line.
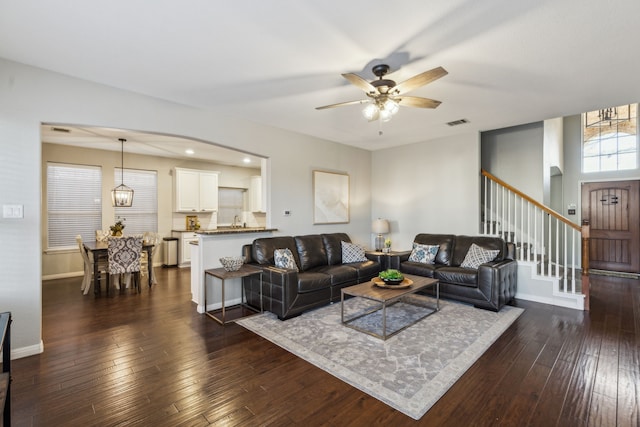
<point x="585" y="263"/>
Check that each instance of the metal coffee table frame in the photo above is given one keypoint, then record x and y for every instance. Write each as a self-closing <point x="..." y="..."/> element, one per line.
<point x="387" y="297"/>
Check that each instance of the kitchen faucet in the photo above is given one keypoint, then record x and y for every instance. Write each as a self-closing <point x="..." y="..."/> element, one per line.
<point x="236" y="222"/>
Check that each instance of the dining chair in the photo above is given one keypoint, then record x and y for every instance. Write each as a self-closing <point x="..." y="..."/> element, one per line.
<point x="154" y="239"/>
<point x="88" y="266"/>
<point x="124" y="258"/>
<point x="101" y="235"/>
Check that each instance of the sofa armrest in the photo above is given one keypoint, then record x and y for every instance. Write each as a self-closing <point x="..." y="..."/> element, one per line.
<point x="280" y="289"/>
<point x="404" y="255"/>
<point x="498" y="282"/>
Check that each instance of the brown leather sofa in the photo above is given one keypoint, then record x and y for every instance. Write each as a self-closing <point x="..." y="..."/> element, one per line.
<point x="491" y="286"/>
<point x="321" y="275"/>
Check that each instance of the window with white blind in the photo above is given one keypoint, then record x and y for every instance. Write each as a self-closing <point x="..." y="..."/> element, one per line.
<point x="143" y="214"/>
<point x="230" y="205"/>
<point x="74" y="204"/>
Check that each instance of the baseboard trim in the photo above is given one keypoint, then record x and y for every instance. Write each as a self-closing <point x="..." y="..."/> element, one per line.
<point x="63" y="275"/>
<point x="575" y="303"/>
<point x="76" y="274"/>
<point x="31" y="350"/>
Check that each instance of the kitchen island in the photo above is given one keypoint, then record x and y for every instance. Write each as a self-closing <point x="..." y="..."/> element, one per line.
<point x="206" y="253"/>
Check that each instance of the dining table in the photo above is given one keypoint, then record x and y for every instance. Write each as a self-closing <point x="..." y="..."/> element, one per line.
<point x="100" y="250"/>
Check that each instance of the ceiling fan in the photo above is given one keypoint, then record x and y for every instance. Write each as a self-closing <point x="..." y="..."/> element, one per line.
<point x="385" y="95"/>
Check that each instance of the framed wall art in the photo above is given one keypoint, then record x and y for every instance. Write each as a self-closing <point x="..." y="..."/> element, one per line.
<point x="191" y="221"/>
<point x="330" y="198"/>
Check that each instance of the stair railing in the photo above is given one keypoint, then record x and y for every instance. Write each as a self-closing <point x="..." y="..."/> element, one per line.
<point x="540" y="233"/>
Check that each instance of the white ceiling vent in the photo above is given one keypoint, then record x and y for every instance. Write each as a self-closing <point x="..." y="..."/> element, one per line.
<point x="458" y="122"/>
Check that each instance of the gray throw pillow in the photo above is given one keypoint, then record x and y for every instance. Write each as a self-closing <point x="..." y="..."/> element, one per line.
<point x="352" y="253"/>
<point x="477" y="255"/>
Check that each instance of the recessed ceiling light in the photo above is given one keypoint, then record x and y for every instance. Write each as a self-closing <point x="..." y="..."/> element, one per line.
<point x="246" y="160"/>
<point x="189" y="151"/>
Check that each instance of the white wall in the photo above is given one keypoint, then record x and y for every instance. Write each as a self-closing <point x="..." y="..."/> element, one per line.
<point x="429" y="187"/>
<point x="514" y="155"/>
<point x="553" y="143"/>
<point x="30" y="96"/>
<point x="552" y="155"/>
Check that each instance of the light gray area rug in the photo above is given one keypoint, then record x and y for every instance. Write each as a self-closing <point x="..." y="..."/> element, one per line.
<point x="409" y="371"/>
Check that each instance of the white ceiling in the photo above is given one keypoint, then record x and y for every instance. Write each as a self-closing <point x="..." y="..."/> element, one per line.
<point x="273" y="61"/>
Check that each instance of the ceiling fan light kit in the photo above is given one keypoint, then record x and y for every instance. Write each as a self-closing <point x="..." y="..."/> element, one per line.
<point x="386" y="97"/>
<point x="378" y="110"/>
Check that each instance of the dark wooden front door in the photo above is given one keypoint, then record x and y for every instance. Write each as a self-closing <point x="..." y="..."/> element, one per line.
<point x="613" y="212"/>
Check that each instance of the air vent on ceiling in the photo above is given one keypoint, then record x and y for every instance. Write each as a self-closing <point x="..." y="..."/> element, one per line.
<point x="458" y="122"/>
<point x="55" y="129"/>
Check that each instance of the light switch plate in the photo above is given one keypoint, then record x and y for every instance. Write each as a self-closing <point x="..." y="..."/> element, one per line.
<point x="12" y="211"/>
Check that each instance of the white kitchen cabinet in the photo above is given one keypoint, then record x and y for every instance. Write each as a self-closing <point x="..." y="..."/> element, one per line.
<point x="256" y="203"/>
<point x="195" y="191"/>
<point x="208" y="191"/>
<point x="184" y="246"/>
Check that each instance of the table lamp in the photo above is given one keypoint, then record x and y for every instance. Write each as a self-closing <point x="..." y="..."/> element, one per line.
<point x="380" y="227"/>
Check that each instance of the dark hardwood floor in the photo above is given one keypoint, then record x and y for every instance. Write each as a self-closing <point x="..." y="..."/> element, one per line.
<point x="149" y="359"/>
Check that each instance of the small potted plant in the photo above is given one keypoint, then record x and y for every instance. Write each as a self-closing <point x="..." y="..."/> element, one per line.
<point x="391" y="277"/>
<point x="116" y="229"/>
<point x="387" y="246"/>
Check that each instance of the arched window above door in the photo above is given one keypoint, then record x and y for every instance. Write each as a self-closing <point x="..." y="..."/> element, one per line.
<point x="610" y="139"/>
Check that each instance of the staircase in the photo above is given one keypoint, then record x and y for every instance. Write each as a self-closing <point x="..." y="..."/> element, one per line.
<point x="549" y="247"/>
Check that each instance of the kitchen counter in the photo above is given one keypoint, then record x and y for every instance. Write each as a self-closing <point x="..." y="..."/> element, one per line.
<point x="229" y="230"/>
<point x="212" y="245"/>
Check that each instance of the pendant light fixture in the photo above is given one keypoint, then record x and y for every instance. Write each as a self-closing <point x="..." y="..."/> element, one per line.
<point x="122" y="196"/>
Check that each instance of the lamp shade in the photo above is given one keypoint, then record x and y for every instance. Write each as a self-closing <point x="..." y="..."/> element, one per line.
<point x="380" y="226"/>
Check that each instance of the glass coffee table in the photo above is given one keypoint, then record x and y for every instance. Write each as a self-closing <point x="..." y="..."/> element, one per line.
<point x="386" y="297"/>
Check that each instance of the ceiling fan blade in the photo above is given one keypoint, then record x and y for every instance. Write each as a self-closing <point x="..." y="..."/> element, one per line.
<point x="414" y="101"/>
<point x="342" y="104"/>
<point x="420" y="80"/>
<point x="360" y="82"/>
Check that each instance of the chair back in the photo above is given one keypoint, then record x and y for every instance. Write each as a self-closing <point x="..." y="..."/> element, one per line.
<point x="124" y="254"/>
<point x="83" y="251"/>
<point x="153" y="239"/>
<point x="101" y="235"/>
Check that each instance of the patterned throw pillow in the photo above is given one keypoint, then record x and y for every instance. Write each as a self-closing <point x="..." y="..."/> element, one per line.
<point x="352" y="253"/>
<point x="284" y="259"/>
<point x="425" y="254"/>
<point x="478" y="255"/>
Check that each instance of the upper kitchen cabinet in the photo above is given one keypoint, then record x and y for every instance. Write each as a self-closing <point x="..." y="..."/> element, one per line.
<point x="195" y="190"/>
<point x="256" y="195"/>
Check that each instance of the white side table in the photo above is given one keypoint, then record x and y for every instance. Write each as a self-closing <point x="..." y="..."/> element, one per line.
<point x="222" y="274"/>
